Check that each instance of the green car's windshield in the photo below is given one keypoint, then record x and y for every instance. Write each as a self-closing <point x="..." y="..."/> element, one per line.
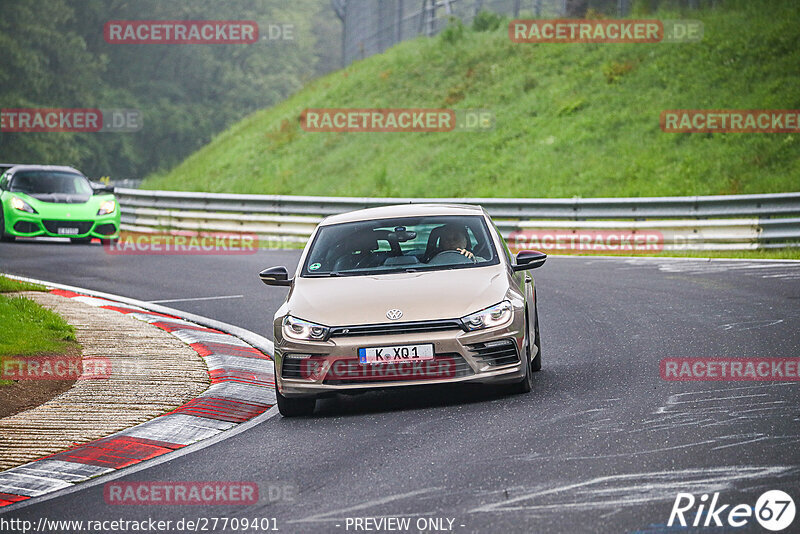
<point x="402" y="244"/>
<point x="46" y="182"/>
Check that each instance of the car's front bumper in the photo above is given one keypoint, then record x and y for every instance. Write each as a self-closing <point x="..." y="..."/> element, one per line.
<point x="486" y="356"/>
<point x="24" y="224"/>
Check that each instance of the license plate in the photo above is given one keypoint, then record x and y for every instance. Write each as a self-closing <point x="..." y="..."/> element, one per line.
<point x="68" y="231"/>
<point x="397" y="353"/>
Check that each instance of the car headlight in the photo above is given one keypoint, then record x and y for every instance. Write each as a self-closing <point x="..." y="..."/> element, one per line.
<point x="295" y="328"/>
<point x="19" y="204"/>
<point x="107" y="206"/>
<point x="497" y="315"/>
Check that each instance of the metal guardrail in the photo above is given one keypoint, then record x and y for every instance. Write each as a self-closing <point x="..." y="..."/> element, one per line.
<point x="699" y="222"/>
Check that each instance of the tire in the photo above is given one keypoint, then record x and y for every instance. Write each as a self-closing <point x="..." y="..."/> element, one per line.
<point x="3" y="236"/>
<point x="536" y="363"/>
<point x="295" y="407"/>
<point x="109" y="242"/>
<point x="81" y="240"/>
<point x="526" y="384"/>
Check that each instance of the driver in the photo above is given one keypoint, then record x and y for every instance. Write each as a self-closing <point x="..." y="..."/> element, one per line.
<point x="454" y="237"/>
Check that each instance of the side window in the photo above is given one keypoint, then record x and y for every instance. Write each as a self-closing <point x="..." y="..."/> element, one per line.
<point x="3" y="181"/>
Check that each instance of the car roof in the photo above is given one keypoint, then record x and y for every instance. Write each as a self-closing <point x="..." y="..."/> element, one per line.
<point x="64" y="168"/>
<point x="403" y="210"/>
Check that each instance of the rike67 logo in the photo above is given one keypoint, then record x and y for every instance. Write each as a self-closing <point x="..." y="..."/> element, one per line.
<point x="774" y="510"/>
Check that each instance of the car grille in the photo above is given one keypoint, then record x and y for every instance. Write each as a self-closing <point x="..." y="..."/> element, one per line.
<point x="295" y="367"/>
<point x="26" y="227"/>
<point x="82" y="226"/>
<point x="351" y="371"/>
<point x="496" y="353"/>
<point x="395" y="328"/>
<point x="106" y="229"/>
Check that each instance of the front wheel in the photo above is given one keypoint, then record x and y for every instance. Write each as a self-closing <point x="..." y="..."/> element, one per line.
<point x="3" y="236"/>
<point x="536" y="364"/>
<point x="526" y="384"/>
<point x="295" y="407"/>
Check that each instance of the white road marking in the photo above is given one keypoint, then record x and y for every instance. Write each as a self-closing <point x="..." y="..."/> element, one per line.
<point x="633" y="489"/>
<point x="636" y="453"/>
<point x="774" y="269"/>
<point x="750" y="325"/>
<point x="196" y="298"/>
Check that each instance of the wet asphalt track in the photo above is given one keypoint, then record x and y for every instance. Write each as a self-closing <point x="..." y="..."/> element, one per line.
<point x="602" y="444"/>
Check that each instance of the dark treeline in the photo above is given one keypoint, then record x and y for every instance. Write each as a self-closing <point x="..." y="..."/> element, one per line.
<point x="53" y="55"/>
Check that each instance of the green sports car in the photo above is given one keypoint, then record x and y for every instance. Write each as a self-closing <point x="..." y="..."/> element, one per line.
<point x="54" y="201"/>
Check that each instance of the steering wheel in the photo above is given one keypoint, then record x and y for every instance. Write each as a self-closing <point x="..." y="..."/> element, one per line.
<point x="448" y="254"/>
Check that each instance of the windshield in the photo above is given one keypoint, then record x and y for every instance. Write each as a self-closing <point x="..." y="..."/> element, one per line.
<point x="402" y="244"/>
<point x="44" y="182"/>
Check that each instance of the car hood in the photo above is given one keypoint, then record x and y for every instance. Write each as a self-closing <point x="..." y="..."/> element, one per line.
<point x="60" y="198"/>
<point x="421" y="296"/>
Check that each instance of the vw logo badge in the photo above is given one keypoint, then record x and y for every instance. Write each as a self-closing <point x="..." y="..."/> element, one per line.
<point x="394" y="314"/>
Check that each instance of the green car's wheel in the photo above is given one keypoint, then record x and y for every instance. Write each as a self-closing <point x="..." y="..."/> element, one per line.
<point x="3" y="235"/>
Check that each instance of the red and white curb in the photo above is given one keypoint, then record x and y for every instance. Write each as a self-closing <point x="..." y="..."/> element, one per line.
<point x="242" y="388"/>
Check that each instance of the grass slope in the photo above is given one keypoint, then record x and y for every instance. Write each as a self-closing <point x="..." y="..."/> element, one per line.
<point x="8" y="285"/>
<point x="572" y="119"/>
<point x="26" y="328"/>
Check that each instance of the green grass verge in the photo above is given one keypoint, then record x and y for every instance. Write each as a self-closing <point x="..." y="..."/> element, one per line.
<point x="571" y="119"/>
<point x="8" y="285"/>
<point x="792" y="253"/>
<point x="27" y="329"/>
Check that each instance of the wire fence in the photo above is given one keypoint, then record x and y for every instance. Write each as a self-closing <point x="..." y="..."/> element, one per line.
<point x="372" y="26"/>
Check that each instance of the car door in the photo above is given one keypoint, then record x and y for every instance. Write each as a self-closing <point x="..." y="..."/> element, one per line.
<point x="521" y="280"/>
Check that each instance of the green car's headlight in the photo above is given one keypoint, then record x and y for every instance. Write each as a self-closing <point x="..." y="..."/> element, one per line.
<point x="295" y="328"/>
<point x="19" y="204"/>
<point x="107" y="206"/>
<point x="497" y="315"/>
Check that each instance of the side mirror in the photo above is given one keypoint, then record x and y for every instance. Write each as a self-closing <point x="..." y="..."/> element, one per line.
<point x="275" y="276"/>
<point x="100" y="188"/>
<point x="529" y="259"/>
